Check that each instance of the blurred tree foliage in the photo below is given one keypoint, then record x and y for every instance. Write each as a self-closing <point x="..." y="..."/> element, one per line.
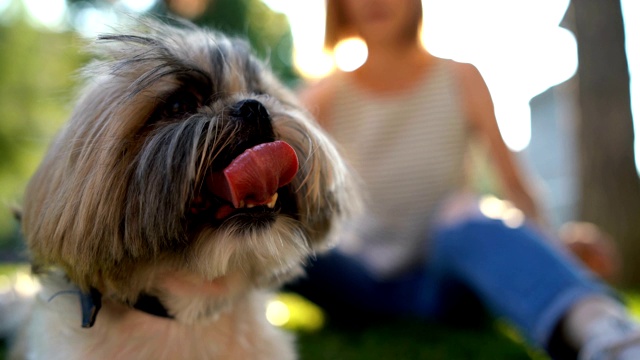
<point x="36" y="82"/>
<point x="268" y="32"/>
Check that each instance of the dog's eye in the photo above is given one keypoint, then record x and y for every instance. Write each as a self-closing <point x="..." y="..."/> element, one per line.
<point x="180" y="104"/>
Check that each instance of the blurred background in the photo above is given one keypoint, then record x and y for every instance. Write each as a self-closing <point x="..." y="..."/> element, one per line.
<point x="564" y="75"/>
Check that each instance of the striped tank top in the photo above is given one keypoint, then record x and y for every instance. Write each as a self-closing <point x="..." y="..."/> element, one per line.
<point x="409" y="150"/>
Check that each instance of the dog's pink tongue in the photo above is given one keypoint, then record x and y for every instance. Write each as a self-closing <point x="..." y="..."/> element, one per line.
<point x="255" y="175"/>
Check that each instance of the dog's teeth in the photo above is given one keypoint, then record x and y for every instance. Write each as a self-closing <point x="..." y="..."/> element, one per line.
<point x="272" y="203"/>
<point x="250" y="205"/>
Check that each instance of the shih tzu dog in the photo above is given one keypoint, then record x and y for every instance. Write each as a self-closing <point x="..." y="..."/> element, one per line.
<point x="187" y="184"/>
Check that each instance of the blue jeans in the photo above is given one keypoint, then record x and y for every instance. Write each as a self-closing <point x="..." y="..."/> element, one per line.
<point x="514" y="273"/>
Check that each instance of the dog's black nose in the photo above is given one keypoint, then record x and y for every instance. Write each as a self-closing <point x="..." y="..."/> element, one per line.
<point x="251" y="111"/>
<point x="255" y="122"/>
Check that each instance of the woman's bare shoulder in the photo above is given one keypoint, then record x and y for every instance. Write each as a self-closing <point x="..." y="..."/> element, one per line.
<point x="467" y="74"/>
<point x="475" y="94"/>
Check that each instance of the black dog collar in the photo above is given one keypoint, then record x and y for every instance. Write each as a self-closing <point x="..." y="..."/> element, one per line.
<point x="152" y="305"/>
<point x="91" y="303"/>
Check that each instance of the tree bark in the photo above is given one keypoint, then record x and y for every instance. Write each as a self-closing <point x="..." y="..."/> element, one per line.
<point x="609" y="186"/>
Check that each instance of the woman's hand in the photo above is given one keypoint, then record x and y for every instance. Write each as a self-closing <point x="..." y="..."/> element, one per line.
<point x="594" y="247"/>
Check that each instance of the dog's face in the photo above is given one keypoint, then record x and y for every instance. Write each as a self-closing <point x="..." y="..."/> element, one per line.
<point x="185" y="167"/>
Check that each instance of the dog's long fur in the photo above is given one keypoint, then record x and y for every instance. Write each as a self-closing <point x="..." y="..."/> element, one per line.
<point x="108" y="209"/>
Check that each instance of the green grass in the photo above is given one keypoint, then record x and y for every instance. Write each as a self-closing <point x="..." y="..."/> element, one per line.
<point x="414" y="339"/>
<point x="410" y="339"/>
<point x="399" y="338"/>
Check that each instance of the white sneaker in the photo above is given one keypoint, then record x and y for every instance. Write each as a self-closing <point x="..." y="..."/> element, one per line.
<point x="612" y="339"/>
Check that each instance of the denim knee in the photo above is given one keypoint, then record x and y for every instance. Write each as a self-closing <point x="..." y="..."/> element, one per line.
<point x="452" y="240"/>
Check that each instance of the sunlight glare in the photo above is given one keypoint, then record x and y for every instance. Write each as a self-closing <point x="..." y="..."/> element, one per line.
<point x="631" y="15"/>
<point x="306" y="19"/>
<point x="313" y="65"/>
<point x="277" y="313"/>
<point x="513" y="218"/>
<point x="4" y="4"/>
<point x="294" y="312"/>
<point x="25" y="284"/>
<point x="350" y="54"/>
<point x="520" y="55"/>
<point x="513" y="114"/>
<point x="49" y="13"/>
<point x="138" y="5"/>
<point x="492" y="207"/>
<point x="91" y="21"/>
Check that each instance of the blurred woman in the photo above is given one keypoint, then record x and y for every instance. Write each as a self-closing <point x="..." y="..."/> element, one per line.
<point x="405" y="120"/>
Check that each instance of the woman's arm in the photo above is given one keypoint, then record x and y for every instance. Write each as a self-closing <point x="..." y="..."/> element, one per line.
<point x="479" y="109"/>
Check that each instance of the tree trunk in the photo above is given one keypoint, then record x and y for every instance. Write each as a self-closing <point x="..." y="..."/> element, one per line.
<point x="609" y="187"/>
